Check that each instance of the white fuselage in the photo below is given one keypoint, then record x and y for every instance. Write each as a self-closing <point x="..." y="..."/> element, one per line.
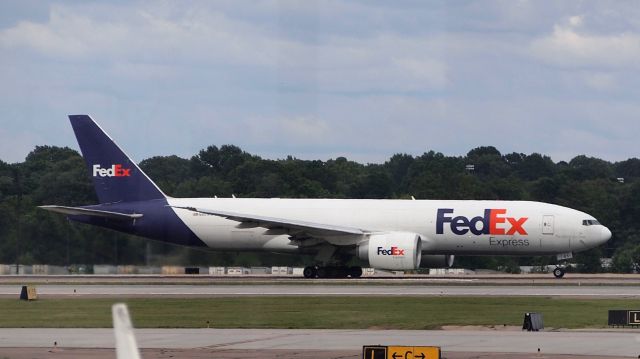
<point x="446" y="227"/>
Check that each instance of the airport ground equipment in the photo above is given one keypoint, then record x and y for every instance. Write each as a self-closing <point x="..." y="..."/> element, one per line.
<point x="532" y="322"/>
<point x="28" y="292"/>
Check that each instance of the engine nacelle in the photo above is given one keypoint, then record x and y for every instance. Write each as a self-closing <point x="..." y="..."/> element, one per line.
<point x="393" y="250"/>
<point x="437" y="261"/>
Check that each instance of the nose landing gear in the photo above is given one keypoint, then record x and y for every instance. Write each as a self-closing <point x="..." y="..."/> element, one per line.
<point x="558" y="272"/>
<point x="560" y="268"/>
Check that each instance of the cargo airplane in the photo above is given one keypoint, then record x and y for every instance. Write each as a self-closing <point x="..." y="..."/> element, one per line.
<point x="384" y="234"/>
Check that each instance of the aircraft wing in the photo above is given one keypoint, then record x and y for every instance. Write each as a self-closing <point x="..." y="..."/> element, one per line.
<point x="80" y="211"/>
<point x="296" y="229"/>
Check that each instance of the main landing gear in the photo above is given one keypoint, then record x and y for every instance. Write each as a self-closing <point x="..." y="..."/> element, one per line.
<point x="332" y="272"/>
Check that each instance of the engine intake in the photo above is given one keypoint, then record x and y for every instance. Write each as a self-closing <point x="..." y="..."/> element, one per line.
<point x="393" y="250"/>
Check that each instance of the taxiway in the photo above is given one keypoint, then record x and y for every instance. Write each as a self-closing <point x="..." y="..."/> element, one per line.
<point x="608" y="343"/>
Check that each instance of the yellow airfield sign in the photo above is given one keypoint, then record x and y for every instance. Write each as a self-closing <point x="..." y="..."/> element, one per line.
<point x="400" y="352"/>
<point x="404" y="352"/>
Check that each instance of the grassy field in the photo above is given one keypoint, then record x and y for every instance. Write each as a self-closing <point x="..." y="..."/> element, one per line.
<point x="307" y="312"/>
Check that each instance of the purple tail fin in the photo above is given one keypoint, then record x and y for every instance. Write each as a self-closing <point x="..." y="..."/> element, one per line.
<point x="116" y="177"/>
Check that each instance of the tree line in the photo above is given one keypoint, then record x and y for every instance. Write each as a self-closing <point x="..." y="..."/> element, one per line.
<point x="55" y="175"/>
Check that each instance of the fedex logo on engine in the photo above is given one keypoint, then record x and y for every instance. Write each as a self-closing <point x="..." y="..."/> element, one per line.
<point x="494" y="222"/>
<point x="113" y="171"/>
<point x="393" y="251"/>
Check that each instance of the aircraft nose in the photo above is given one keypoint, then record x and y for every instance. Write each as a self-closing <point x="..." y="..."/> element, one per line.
<point x="605" y="235"/>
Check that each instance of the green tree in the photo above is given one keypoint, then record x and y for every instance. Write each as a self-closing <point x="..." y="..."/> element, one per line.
<point x="55" y="175"/>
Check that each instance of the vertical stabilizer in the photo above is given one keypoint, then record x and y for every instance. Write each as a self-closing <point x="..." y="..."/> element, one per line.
<point x="116" y="177"/>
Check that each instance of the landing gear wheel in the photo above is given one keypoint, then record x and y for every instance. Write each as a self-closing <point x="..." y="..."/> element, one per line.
<point x="332" y="272"/>
<point x="309" y="272"/>
<point x="355" y="272"/>
<point x="558" y="272"/>
<point x="322" y="272"/>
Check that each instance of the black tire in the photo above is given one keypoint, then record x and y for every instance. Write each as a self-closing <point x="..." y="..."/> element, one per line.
<point x="558" y="272"/>
<point x="309" y="272"/>
<point x="355" y="272"/>
<point x="322" y="272"/>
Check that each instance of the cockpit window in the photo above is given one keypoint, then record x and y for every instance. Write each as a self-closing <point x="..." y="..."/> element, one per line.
<point x="590" y="222"/>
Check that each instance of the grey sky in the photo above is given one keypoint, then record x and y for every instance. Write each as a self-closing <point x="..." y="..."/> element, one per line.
<point x="324" y="79"/>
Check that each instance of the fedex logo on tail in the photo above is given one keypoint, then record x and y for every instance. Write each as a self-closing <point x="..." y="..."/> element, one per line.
<point x="494" y="222"/>
<point x="113" y="171"/>
<point x="393" y="251"/>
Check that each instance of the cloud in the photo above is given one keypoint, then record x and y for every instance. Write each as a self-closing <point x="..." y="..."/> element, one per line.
<point x="292" y="130"/>
<point x="66" y="35"/>
<point x="601" y="81"/>
<point x="210" y="39"/>
<point x="575" y="21"/>
<point x="569" y="45"/>
<point x="281" y="78"/>
<point x="306" y="128"/>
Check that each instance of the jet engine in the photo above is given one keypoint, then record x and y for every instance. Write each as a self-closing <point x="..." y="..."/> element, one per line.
<point x="437" y="261"/>
<point x="392" y="250"/>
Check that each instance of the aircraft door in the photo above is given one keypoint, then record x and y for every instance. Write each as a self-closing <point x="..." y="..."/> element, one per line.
<point x="547" y="224"/>
<point x="555" y="238"/>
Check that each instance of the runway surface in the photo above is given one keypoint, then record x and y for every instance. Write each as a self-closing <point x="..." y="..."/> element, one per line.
<point x="569" y="342"/>
<point x="619" y="343"/>
<point x="571" y="279"/>
<point x="213" y="290"/>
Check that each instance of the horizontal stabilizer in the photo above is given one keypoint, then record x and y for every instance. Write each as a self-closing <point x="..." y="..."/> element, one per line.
<point x="79" y="211"/>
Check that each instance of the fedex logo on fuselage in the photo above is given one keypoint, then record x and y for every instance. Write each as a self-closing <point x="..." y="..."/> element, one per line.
<point x="113" y="171"/>
<point x="393" y="251"/>
<point x="494" y="222"/>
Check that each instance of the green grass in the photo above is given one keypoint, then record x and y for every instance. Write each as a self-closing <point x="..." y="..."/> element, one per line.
<point x="307" y="312"/>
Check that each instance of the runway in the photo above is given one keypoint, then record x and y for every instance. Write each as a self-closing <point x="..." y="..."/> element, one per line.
<point x="214" y="290"/>
<point x="346" y="343"/>
<point x="568" y="342"/>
